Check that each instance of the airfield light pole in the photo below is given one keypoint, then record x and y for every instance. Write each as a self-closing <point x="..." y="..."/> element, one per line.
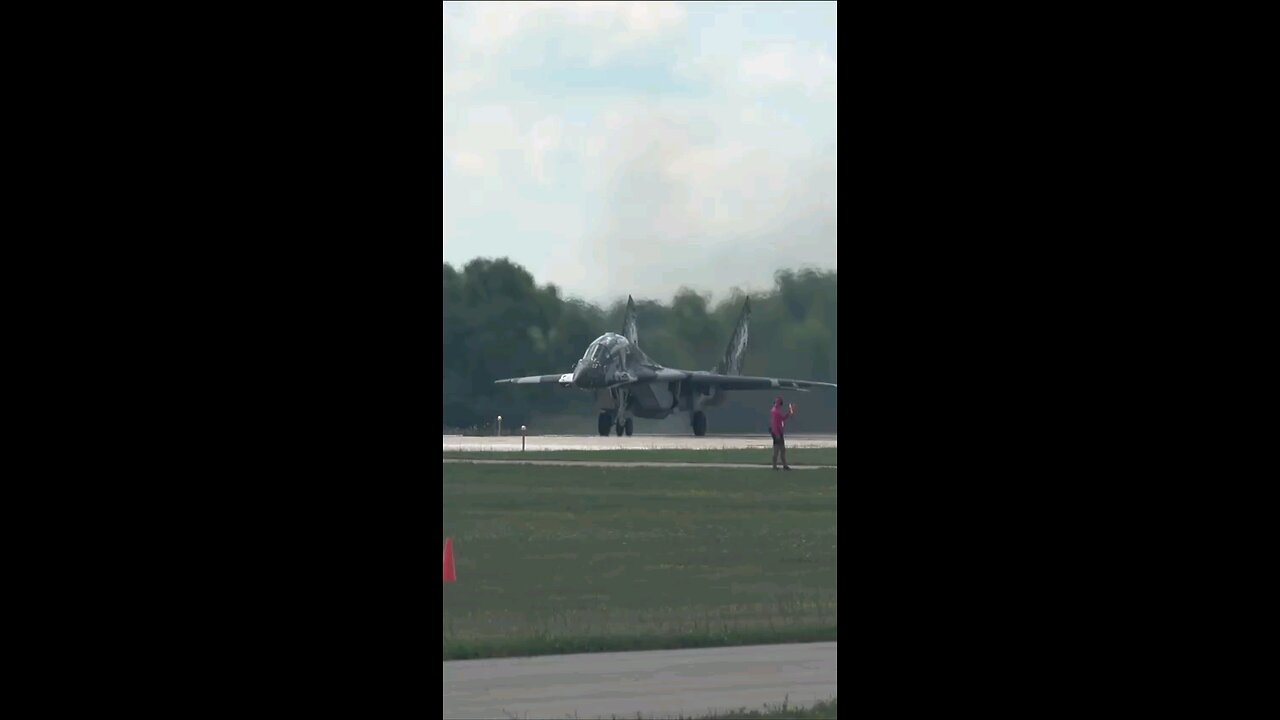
<point x="499" y="426"/>
<point x="522" y="429"/>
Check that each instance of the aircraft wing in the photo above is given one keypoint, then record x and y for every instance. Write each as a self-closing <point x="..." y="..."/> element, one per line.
<point x="747" y="382"/>
<point x="563" y="379"/>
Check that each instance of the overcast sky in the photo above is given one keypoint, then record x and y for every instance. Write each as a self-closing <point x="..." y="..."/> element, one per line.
<point x="619" y="147"/>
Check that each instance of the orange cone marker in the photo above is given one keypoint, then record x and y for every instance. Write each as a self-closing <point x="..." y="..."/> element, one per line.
<point x="450" y="574"/>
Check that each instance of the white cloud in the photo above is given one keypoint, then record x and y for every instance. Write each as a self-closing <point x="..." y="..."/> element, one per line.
<point x="542" y="139"/>
<point x="601" y="30"/>
<point x="653" y="16"/>
<point x="605" y="193"/>
<point x="485" y="42"/>
<point x="493" y="24"/>
<point x="469" y="162"/>
<point x="726" y="206"/>
<point x="729" y="210"/>
<point x="481" y="139"/>
<point x="809" y="68"/>
<point x="459" y="81"/>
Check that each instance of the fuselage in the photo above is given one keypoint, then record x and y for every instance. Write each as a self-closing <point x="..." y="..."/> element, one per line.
<point x="611" y="361"/>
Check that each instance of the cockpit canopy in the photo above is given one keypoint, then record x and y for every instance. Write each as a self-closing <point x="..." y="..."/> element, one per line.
<point x="605" y="346"/>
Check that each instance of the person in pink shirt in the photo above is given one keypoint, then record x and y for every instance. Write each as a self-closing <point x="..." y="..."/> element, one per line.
<point x="777" y="418"/>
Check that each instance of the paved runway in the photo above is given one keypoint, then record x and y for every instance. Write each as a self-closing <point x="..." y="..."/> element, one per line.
<point x="590" y="463"/>
<point x="658" y="683"/>
<point x="635" y="442"/>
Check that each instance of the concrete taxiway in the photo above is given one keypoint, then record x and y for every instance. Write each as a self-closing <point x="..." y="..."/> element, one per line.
<point x="507" y="443"/>
<point x="656" y="684"/>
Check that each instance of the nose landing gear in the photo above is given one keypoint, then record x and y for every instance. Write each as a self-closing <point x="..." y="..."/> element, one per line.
<point x="626" y="426"/>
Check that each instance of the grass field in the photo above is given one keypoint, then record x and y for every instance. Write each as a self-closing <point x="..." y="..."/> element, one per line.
<point x="795" y="456"/>
<point x="825" y="710"/>
<point x="784" y="710"/>
<point x="581" y="559"/>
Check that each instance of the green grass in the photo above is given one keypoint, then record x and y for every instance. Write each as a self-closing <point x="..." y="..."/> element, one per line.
<point x="581" y="559"/>
<point x="817" y="710"/>
<point x="782" y="711"/>
<point x="795" y="456"/>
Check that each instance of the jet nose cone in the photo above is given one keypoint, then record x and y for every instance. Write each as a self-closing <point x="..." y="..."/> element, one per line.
<point x="581" y="375"/>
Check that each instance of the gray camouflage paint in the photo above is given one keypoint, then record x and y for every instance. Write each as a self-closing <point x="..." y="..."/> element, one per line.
<point x="627" y="383"/>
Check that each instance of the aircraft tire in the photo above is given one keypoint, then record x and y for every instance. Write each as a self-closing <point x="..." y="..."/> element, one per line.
<point x="699" y="423"/>
<point x="629" y="427"/>
<point x="603" y="424"/>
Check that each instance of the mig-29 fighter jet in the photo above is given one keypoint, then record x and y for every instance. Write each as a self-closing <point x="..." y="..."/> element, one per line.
<point x="627" y="383"/>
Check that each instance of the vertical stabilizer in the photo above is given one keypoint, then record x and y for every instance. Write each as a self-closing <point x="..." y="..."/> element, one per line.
<point x="629" y="329"/>
<point x="731" y="364"/>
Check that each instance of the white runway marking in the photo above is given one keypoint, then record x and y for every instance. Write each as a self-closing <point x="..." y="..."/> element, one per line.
<point x="507" y="443"/>
<point x="656" y="683"/>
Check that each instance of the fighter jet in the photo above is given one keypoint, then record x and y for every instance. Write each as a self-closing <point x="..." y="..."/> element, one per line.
<point x="628" y="384"/>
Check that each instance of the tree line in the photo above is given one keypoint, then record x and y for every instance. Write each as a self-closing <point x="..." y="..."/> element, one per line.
<point x="499" y="323"/>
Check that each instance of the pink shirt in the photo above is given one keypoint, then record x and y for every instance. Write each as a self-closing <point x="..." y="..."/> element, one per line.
<point x="777" y="419"/>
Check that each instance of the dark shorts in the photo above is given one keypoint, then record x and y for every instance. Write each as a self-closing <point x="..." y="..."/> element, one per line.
<point x="777" y="441"/>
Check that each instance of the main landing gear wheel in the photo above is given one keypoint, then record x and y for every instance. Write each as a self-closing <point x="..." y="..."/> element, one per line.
<point x="603" y="423"/>
<point x="618" y="428"/>
<point x="629" y="427"/>
<point x="699" y="423"/>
